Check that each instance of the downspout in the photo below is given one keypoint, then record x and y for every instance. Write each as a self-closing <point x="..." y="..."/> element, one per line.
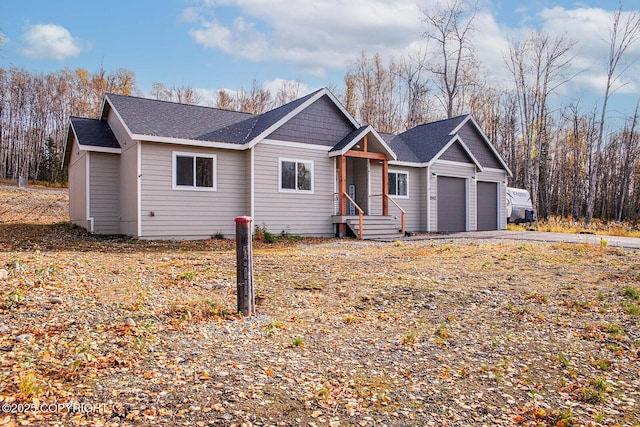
<point x="428" y="199"/>
<point x="88" y="192"/>
<point x="252" y="198"/>
<point x="139" y="188"/>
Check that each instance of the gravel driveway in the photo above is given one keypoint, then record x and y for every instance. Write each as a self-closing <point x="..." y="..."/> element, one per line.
<point x="538" y="236"/>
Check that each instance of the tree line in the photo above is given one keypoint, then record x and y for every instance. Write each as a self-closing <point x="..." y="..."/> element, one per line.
<point x="34" y="116"/>
<point x="573" y="162"/>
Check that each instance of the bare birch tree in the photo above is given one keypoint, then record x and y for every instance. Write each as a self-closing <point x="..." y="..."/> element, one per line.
<point x="454" y="61"/>
<point x="34" y="115"/>
<point x="255" y="100"/>
<point x="224" y="100"/>
<point x="538" y="67"/>
<point x="414" y="87"/>
<point x="623" y="34"/>
<point x="289" y="90"/>
<point x="184" y="94"/>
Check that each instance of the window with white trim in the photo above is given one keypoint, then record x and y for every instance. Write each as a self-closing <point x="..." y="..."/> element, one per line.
<point x="296" y="175"/>
<point x="398" y="184"/>
<point x="194" y="171"/>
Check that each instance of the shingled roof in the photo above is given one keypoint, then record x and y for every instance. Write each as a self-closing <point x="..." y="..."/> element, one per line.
<point x="173" y="120"/>
<point x="401" y="149"/>
<point x="244" y="131"/>
<point x="348" y="139"/>
<point x="93" y="132"/>
<point x="426" y="141"/>
<point x="162" y="119"/>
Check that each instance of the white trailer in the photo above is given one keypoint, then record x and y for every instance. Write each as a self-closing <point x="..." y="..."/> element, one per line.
<point x="519" y="206"/>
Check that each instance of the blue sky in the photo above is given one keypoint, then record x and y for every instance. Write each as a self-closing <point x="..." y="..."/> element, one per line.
<point x="213" y="44"/>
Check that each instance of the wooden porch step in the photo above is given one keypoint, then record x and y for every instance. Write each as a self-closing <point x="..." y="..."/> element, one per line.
<point x="375" y="227"/>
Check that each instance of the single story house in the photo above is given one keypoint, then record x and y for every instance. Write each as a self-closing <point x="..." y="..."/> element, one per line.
<point x="162" y="170"/>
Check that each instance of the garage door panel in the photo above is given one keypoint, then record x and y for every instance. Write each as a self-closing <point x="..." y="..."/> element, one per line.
<point x="452" y="204"/>
<point x="487" y="206"/>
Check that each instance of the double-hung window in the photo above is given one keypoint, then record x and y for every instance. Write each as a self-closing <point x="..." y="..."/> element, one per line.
<point x="398" y="184"/>
<point x="194" y="171"/>
<point x="296" y="175"/>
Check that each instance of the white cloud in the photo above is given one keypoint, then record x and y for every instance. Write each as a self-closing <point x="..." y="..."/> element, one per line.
<point x="590" y="28"/>
<point x="492" y="46"/>
<point x="3" y="38"/>
<point x="50" y="41"/>
<point x="315" y="36"/>
<point x="327" y="35"/>
<point x="273" y="86"/>
<point x="208" y="97"/>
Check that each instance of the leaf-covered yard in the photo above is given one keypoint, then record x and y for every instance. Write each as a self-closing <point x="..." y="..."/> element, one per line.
<point x="349" y="333"/>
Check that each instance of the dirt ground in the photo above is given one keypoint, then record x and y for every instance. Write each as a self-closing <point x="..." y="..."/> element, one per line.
<point x="442" y="332"/>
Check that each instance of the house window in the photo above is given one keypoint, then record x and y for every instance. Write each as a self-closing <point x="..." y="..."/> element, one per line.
<point x="296" y="175"/>
<point x="194" y="171"/>
<point x="398" y="184"/>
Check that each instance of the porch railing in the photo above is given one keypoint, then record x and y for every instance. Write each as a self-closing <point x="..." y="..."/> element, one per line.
<point x="402" y="211"/>
<point x="360" y="212"/>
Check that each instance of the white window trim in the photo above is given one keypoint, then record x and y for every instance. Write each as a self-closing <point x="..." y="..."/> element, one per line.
<point x="294" y="190"/>
<point x="193" y="187"/>
<point x="408" y="184"/>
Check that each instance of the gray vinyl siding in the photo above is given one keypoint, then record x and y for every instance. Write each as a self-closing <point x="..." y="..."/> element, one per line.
<point x="456" y="153"/>
<point x="376" y="188"/>
<point x="168" y="213"/>
<point x="411" y="204"/>
<point x="499" y="177"/>
<point x="129" y="190"/>
<point x="78" y="214"/>
<point x="321" y="123"/>
<point x="297" y="213"/>
<point x="478" y="146"/>
<point x="118" y="130"/>
<point x="128" y="177"/>
<point x="105" y="199"/>
<point x="459" y="170"/>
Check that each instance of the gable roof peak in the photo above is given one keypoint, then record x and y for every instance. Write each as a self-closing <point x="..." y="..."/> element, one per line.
<point x="455" y="119"/>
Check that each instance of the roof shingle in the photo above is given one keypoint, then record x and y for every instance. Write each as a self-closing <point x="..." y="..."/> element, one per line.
<point x="169" y="119"/>
<point x="93" y="132"/>
<point x="426" y="141"/>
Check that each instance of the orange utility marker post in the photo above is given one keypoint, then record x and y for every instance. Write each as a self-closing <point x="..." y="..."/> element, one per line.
<point x="244" y="267"/>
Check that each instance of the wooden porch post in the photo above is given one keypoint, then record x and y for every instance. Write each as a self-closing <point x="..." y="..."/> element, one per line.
<point x="385" y="187"/>
<point x="342" y="188"/>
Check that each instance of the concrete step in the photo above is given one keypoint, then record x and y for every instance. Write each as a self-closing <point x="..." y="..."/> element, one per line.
<point x="375" y="227"/>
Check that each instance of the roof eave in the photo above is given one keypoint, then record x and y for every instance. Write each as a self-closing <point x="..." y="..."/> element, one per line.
<point x="408" y="164"/>
<point x="98" y="149"/>
<point x="185" y="141"/>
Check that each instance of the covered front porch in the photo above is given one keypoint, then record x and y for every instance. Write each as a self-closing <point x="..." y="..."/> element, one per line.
<point x="362" y="188"/>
